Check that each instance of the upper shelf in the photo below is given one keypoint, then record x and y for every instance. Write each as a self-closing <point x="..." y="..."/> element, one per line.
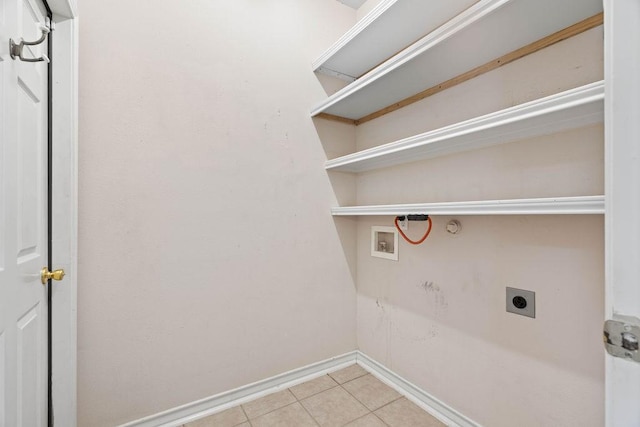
<point x="584" y="205"/>
<point x="390" y="27"/>
<point x="484" y="36"/>
<point x="566" y="110"/>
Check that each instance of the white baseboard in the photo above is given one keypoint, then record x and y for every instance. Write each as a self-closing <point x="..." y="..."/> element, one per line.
<point x="435" y="407"/>
<point x="220" y="402"/>
<point x="228" y="399"/>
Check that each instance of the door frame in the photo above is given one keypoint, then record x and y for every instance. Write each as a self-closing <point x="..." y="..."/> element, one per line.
<point x="64" y="126"/>
<point x="622" y="198"/>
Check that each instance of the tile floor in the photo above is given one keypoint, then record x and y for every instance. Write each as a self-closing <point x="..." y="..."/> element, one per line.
<point x="350" y="397"/>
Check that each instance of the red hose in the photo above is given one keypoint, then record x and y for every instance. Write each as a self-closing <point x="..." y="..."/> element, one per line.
<point x="404" y="236"/>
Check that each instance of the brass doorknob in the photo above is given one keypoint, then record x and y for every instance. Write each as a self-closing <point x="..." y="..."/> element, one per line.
<point x="46" y="275"/>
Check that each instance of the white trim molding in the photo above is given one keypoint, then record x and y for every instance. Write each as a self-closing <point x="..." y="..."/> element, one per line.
<point x="622" y="190"/>
<point x="220" y="402"/>
<point x="433" y="59"/>
<point x="448" y="29"/>
<point x="377" y="11"/>
<point x="566" y="110"/>
<point x="584" y="205"/>
<point x="388" y="28"/>
<point x="64" y="57"/>
<point x="217" y="403"/>
<point x="412" y="392"/>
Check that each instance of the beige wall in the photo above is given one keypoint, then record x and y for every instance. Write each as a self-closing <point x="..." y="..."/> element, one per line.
<point x="437" y="316"/>
<point x="208" y="259"/>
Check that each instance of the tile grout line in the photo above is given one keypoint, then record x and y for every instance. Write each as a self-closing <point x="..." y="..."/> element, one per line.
<point x="352" y="379"/>
<point x="352" y="421"/>
<point x="299" y="401"/>
<point x="331" y="388"/>
<point x="289" y="404"/>
<point x="366" y="415"/>
<point x="362" y="403"/>
<point x="303" y="407"/>
<point x="271" y="412"/>
<point x="332" y="385"/>
<point x="389" y="403"/>
<point x="357" y="400"/>
<point x="245" y="415"/>
<point x="381" y="420"/>
<point x="315" y="394"/>
<point x="307" y="411"/>
<point x="393" y="401"/>
<point x="338" y="384"/>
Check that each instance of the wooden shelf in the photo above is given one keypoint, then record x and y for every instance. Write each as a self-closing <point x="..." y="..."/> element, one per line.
<point x="590" y="205"/>
<point x="483" y="37"/>
<point x="566" y="110"/>
<point x="390" y="27"/>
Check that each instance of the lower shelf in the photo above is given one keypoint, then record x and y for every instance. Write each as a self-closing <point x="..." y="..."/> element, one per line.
<point x="585" y="205"/>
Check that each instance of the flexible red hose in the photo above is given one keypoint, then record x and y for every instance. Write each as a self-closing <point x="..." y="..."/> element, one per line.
<point x="417" y="242"/>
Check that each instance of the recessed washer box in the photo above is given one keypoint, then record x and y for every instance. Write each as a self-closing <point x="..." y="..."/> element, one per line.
<point x="520" y="301"/>
<point x="384" y="242"/>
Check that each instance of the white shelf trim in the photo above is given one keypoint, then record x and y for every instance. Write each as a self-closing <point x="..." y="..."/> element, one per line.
<point x="425" y="64"/>
<point x="362" y="25"/>
<point x="390" y="27"/>
<point x="589" y="205"/>
<point x="455" y="25"/>
<point x="566" y="110"/>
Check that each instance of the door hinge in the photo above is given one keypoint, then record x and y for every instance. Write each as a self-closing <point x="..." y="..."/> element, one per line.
<point x="622" y="337"/>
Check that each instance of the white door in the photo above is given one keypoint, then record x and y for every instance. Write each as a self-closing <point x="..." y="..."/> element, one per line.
<point x="622" y="193"/>
<point x="23" y="220"/>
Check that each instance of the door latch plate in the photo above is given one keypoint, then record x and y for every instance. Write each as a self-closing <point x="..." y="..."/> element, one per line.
<point x="622" y="337"/>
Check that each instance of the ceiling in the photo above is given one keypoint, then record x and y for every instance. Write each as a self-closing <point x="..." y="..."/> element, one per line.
<point x="352" y="3"/>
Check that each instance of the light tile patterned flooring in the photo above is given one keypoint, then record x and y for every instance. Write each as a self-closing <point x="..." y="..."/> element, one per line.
<point x="350" y="397"/>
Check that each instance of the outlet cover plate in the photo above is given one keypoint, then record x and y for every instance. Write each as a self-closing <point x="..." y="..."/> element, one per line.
<point x="529" y="297"/>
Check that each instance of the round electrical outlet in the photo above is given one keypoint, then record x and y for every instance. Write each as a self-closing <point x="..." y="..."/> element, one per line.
<point x="519" y="302"/>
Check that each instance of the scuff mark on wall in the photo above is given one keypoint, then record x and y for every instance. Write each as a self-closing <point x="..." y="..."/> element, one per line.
<point x="382" y="317"/>
<point x="436" y="297"/>
<point x="383" y="327"/>
<point x="430" y="287"/>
